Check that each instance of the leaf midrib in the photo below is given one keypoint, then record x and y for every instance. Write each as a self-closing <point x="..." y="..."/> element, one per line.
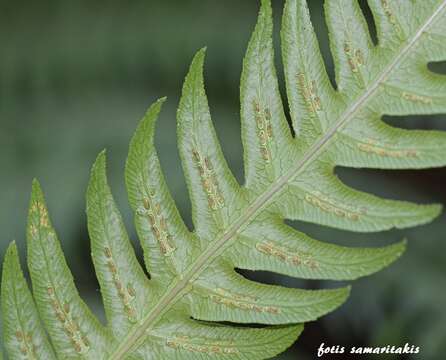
<point x="175" y="291"/>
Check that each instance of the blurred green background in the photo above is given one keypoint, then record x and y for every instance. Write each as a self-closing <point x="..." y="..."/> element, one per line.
<point x="76" y="77"/>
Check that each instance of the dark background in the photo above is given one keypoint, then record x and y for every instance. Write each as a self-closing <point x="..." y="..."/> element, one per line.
<point x="76" y="77"/>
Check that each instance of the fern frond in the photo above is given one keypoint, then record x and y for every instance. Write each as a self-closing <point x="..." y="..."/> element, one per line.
<point x="194" y="302"/>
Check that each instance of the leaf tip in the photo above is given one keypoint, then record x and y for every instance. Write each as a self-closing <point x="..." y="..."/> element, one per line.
<point x="395" y="251"/>
<point x="37" y="202"/>
<point x="436" y="210"/>
<point x="12" y="245"/>
<point x="97" y="174"/>
<point x="198" y="61"/>
<point x="428" y="213"/>
<point x="11" y="251"/>
<point x="153" y="111"/>
<point x="341" y="295"/>
<point x="99" y="163"/>
<point x="161" y="100"/>
<point x="35" y="182"/>
<point x="36" y="189"/>
<point x="102" y="154"/>
<point x="402" y="245"/>
<point x="11" y="259"/>
<point x="293" y="333"/>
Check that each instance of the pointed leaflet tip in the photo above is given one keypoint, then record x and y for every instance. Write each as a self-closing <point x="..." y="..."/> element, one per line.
<point x="155" y="106"/>
<point x="101" y="158"/>
<point x="11" y="257"/>
<point x="402" y="245"/>
<point x="37" y="212"/>
<point x="11" y="265"/>
<point x="35" y="182"/>
<point x="99" y="165"/>
<point x="193" y="93"/>
<point x="388" y="255"/>
<point x="423" y="214"/>
<point x="194" y="77"/>
<point x="161" y="100"/>
<point x="264" y="19"/>
<point x="150" y="116"/>
<point x="141" y="149"/>
<point x="98" y="173"/>
<point x="98" y="178"/>
<point x="340" y="296"/>
<point x="395" y="251"/>
<point x="399" y="249"/>
<point x="288" y="336"/>
<point x="333" y="299"/>
<point x="196" y="68"/>
<point x="436" y="210"/>
<point x="36" y="190"/>
<point x="198" y="61"/>
<point x="145" y="129"/>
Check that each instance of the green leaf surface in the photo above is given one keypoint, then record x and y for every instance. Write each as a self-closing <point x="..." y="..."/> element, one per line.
<point x="124" y="286"/>
<point x="195" y="305"/>
<point x="73" y="329"/>
<point x="23" y="333"/>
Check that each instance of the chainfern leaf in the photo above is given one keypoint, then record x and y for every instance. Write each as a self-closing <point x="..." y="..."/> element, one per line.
<point x="194" y="304"/>
<point x="73" y="329"/>
<point x="23" y="333"/>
